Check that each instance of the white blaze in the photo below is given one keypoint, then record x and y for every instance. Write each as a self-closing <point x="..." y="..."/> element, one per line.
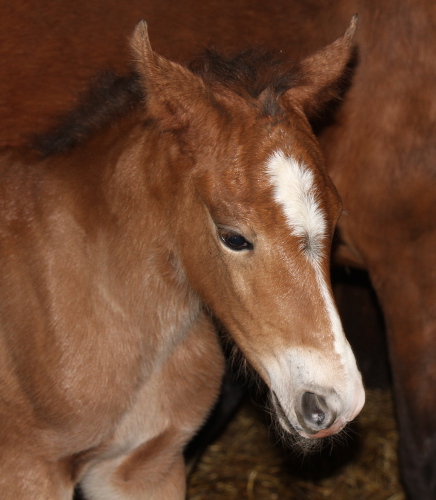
<point x="295" y="191"/>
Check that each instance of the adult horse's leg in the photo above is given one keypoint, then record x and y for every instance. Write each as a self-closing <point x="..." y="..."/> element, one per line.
<point x="144" y="460"/>
<point x="405" y="281"/>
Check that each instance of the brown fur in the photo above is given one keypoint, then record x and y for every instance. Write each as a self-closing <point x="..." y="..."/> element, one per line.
<point x="110" y="253"/>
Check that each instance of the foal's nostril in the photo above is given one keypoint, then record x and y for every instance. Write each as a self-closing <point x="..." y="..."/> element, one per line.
<point x="316" y="413"/>
<point x="313" y="408"/>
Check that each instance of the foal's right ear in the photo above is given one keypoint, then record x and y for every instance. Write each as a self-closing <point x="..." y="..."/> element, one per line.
<point x="172" y="91"/>
<point x="321" y="74"/>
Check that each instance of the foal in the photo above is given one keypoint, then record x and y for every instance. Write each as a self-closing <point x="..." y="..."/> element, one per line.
<point x="207" y="198"/>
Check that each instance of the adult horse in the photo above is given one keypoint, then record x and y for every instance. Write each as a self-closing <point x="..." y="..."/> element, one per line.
<point x="380" y="150"/>
<point x="213" y="193"/>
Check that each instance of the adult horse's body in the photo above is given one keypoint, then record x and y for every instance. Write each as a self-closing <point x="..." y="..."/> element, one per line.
<point x="380" y="151"/>
<point x="212" y="193"/>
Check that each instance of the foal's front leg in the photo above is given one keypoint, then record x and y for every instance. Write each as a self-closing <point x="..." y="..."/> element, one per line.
<point x="153" y="471"/>
<point x="144" y="459"/>
<point x="26" y="476"/>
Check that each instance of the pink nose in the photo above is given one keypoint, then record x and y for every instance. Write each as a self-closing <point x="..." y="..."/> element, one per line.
<point x="336" y="427"/>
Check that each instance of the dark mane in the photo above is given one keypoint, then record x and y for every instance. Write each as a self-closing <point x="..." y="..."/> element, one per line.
<point x="108" y="98"/>
<point x="247" y="73"/>
<point x="250" y="71"/>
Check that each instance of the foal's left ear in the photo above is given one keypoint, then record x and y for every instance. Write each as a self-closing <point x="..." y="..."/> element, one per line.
<point x="322" y="73"/>
<point x="172" y="91"/>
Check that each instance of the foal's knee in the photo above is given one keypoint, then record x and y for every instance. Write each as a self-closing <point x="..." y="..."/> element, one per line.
<point x="152" y="471"/>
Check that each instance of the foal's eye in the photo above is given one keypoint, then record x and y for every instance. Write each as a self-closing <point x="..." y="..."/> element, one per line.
<point x="234" y="241"/>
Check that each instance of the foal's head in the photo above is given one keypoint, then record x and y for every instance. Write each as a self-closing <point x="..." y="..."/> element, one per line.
<point x="253" y="212"/>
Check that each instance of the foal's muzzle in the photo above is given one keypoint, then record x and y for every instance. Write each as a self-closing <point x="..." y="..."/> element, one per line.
<point x="315" y="414"/>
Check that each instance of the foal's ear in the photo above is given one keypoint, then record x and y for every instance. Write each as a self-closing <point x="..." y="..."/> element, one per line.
<point x="322" y="73"/>
<point x="171" y="90"/>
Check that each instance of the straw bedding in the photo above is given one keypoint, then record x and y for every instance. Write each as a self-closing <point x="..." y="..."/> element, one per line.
<point x="249" y="462"/>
